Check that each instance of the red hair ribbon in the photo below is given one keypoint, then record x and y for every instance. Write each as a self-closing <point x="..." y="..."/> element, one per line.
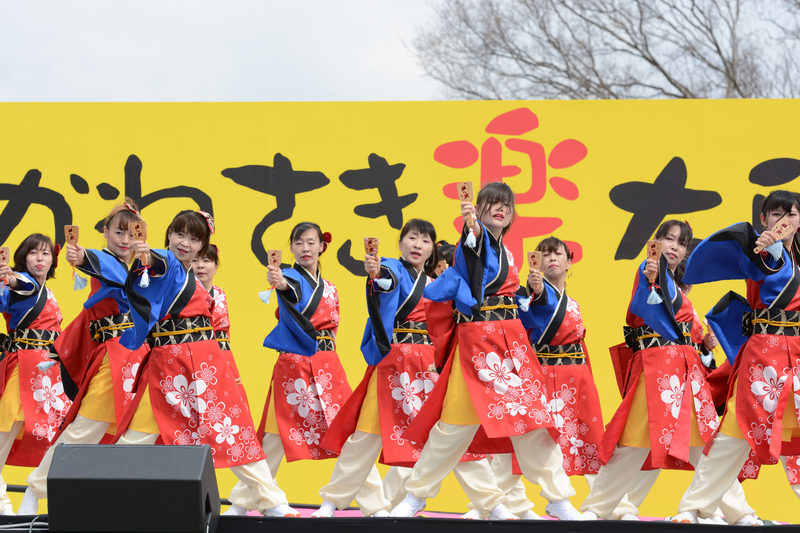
<point x="326" y="239"/>
<point x="131" y="209"/>
<point x="209" y="220"/>
<point x="55" y="258"/>
<point x="690" y="226"/>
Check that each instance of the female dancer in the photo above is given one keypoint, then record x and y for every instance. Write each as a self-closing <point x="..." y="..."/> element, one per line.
<point x="665" y="373"/>
<point x="762" y="414"/>
<point x="205" y="268"/>
<point x="491" y="382"/>
<point x="89" y="347"/>
<point x="185" y="391"/>
<point x="399" y="353"/>
<point x="554" y="324"/>
<point x="30" y="397"/>
<point x="309" y="385"/>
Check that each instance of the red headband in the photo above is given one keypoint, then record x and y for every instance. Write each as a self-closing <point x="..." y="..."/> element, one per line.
<point x="131" y="209"/>
<point x="209" y="220"/>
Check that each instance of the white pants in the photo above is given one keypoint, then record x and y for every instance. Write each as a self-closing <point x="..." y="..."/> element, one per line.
<point x="616" y="478"/>
<point x="718" y="471"/>
<point x="355" y="475"/>
<point x="538" y="455"/>
<point x="518" y="502"/>
<point x="264" y="492"/>
<point x="358" y="458"/>
<point x="6" y="442"/>
<point x="82" y="430"/>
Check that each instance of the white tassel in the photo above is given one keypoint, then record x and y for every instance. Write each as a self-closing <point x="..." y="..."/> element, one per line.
<point x="706" y="358"/>
<point x="525" y="303"/>
<point x="654" y="298"/>
<point x="78" y="282"/>
<point x="384" y="283"/>
<point x="775" y="250"/>
<point x="44" y="365"/>
<point x="144" y="281"/>
<point x="264" y="295"/>
<point x="471" y="241"/>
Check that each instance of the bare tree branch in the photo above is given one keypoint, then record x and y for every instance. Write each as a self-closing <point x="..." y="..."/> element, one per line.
<point x="613" y="49"/>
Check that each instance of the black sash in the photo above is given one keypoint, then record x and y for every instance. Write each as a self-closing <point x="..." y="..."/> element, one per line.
<point x="185" y="296"/>
<point x="498" y="282"/>
<point x="416" y="293"/>
<point x="303" y="319"/>
<point x="672" y="306"/>
<point x="558" y="317"/>
<point x="34" y="312"/>
<point x="383" y="341"/>
<point x="475" y="267"/>
<point x="789" y="291"/>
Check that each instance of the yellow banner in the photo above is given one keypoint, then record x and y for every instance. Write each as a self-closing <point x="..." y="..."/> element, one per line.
<point x="601" y="175"/>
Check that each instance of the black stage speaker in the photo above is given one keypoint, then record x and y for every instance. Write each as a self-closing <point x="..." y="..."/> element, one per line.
<point x="162" y="489"/>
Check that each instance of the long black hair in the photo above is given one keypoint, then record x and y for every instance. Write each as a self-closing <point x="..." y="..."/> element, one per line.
<point x="496" y="193"/>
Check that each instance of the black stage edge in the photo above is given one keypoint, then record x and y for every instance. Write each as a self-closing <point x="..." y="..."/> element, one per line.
<point x="248" y="524"/>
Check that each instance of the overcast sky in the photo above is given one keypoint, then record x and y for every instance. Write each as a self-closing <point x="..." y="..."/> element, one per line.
<point x="202" y="50"/>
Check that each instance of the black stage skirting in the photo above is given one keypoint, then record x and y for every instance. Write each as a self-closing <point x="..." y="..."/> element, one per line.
<point x="247" y="524"/>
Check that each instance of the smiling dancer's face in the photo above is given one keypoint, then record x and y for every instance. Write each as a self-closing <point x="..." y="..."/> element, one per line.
<point x="185" y="246"/>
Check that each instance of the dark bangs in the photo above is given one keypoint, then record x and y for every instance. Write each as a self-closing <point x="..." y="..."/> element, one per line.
<point x="122" y="215"/>
<point x="686" y="231"/>
<point x="123" y="219"/>
<point x="302" y="228"/>
<point x="496" y="193"/>
<point x="34" y="242"/>
<point x="551" y="245"/>
<point x="212" y="254"/>
<point x="779" y="199"/>
<point x="193" y="223"/>
<point x="423" y="227"/>
<point x="446" y="251"/>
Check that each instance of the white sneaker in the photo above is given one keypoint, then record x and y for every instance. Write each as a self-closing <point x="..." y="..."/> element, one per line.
<point x="501" y="512"/>
<point x="235" y="510"/>
<point x="282" y="510"/>
<point x="589" y="515"/>
<point x="686" y="517"/>
<point x="326" y="510"/>
<point x="629" y="517"/>
<point x="383" y="513"/>
<point x="30" y="503"/>
<point x="749" y="520"/>
<point x="409" y="507"/>
<point x="8" y="512"/>
<point x="529" y="515"/>
<point x="472" y="514"/>
<point x="563" y="510"/>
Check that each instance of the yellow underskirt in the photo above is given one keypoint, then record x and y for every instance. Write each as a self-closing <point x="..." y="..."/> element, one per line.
<point x="458" y="408"/>
<point x="369" y="417"/>
<point x="637" y="428"/>
<point x="730" y="425"/>
<point x="144" y="420"/>
<point x="11" y="404"/>
<point x="98" y="403"/>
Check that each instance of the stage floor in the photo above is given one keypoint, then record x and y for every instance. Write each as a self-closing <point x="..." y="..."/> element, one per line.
<point x="353" y="522"/>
